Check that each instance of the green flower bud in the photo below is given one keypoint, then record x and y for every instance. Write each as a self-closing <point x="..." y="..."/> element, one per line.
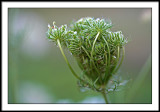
<point x="98" y="51"/>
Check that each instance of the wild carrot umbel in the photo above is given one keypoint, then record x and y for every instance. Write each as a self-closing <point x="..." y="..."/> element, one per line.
<point x="98" y="51"/>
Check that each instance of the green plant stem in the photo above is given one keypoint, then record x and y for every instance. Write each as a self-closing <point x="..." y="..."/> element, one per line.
<point x="92" y="56"/>
<point x="92" y="52"/>
<point x="94" y="44"/>
<point x="108" y="51"/>
<point x="118" y="53"/>
<point x="86" y="52"/>
<point x="120" y="62"/>
<point x="67" y="60"/>
<point x="73" y="72"/>
<point x="105" y="95"/>
<point x="109" y="59"/>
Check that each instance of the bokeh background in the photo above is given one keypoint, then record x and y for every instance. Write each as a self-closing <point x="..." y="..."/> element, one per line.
<point x="37" y="72"/>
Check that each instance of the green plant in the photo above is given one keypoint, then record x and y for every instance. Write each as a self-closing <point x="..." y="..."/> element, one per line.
<point x="98" y="51"/>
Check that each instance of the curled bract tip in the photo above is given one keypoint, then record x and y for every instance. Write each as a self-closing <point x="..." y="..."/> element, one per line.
<point x="49" y="25"/>
<point x="54" y="23"/>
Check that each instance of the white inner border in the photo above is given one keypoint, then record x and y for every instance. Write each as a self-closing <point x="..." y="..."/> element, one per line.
<point x="155" y="75"/>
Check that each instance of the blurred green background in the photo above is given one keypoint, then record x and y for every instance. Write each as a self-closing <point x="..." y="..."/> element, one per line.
<point x="37" y="72"/>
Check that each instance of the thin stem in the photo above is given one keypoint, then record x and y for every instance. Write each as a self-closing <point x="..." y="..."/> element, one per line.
<point x="73" y="72"/>
<point x="107" y="67"/>
<point x="108" y="51"/>
<point x="92" y="51"/>
<point x="94" y="44"/>
<point x="121" y="61"/>
<point x="106" y="58"/>
<point x="92" y="55"/>
<point x="86" y="52"/>
<point x="67" y="60"/>
<point x="104" y="95"/>
<point x="116" y="60"/>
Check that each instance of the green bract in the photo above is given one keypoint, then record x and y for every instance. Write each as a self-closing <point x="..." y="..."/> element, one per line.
<point x="98" y="51"/>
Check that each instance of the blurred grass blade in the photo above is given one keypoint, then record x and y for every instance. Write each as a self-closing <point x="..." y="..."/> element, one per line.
<point x="139" y="80"/>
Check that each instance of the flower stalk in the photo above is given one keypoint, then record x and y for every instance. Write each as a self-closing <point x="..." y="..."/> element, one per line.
<point x="73" y="72"/>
